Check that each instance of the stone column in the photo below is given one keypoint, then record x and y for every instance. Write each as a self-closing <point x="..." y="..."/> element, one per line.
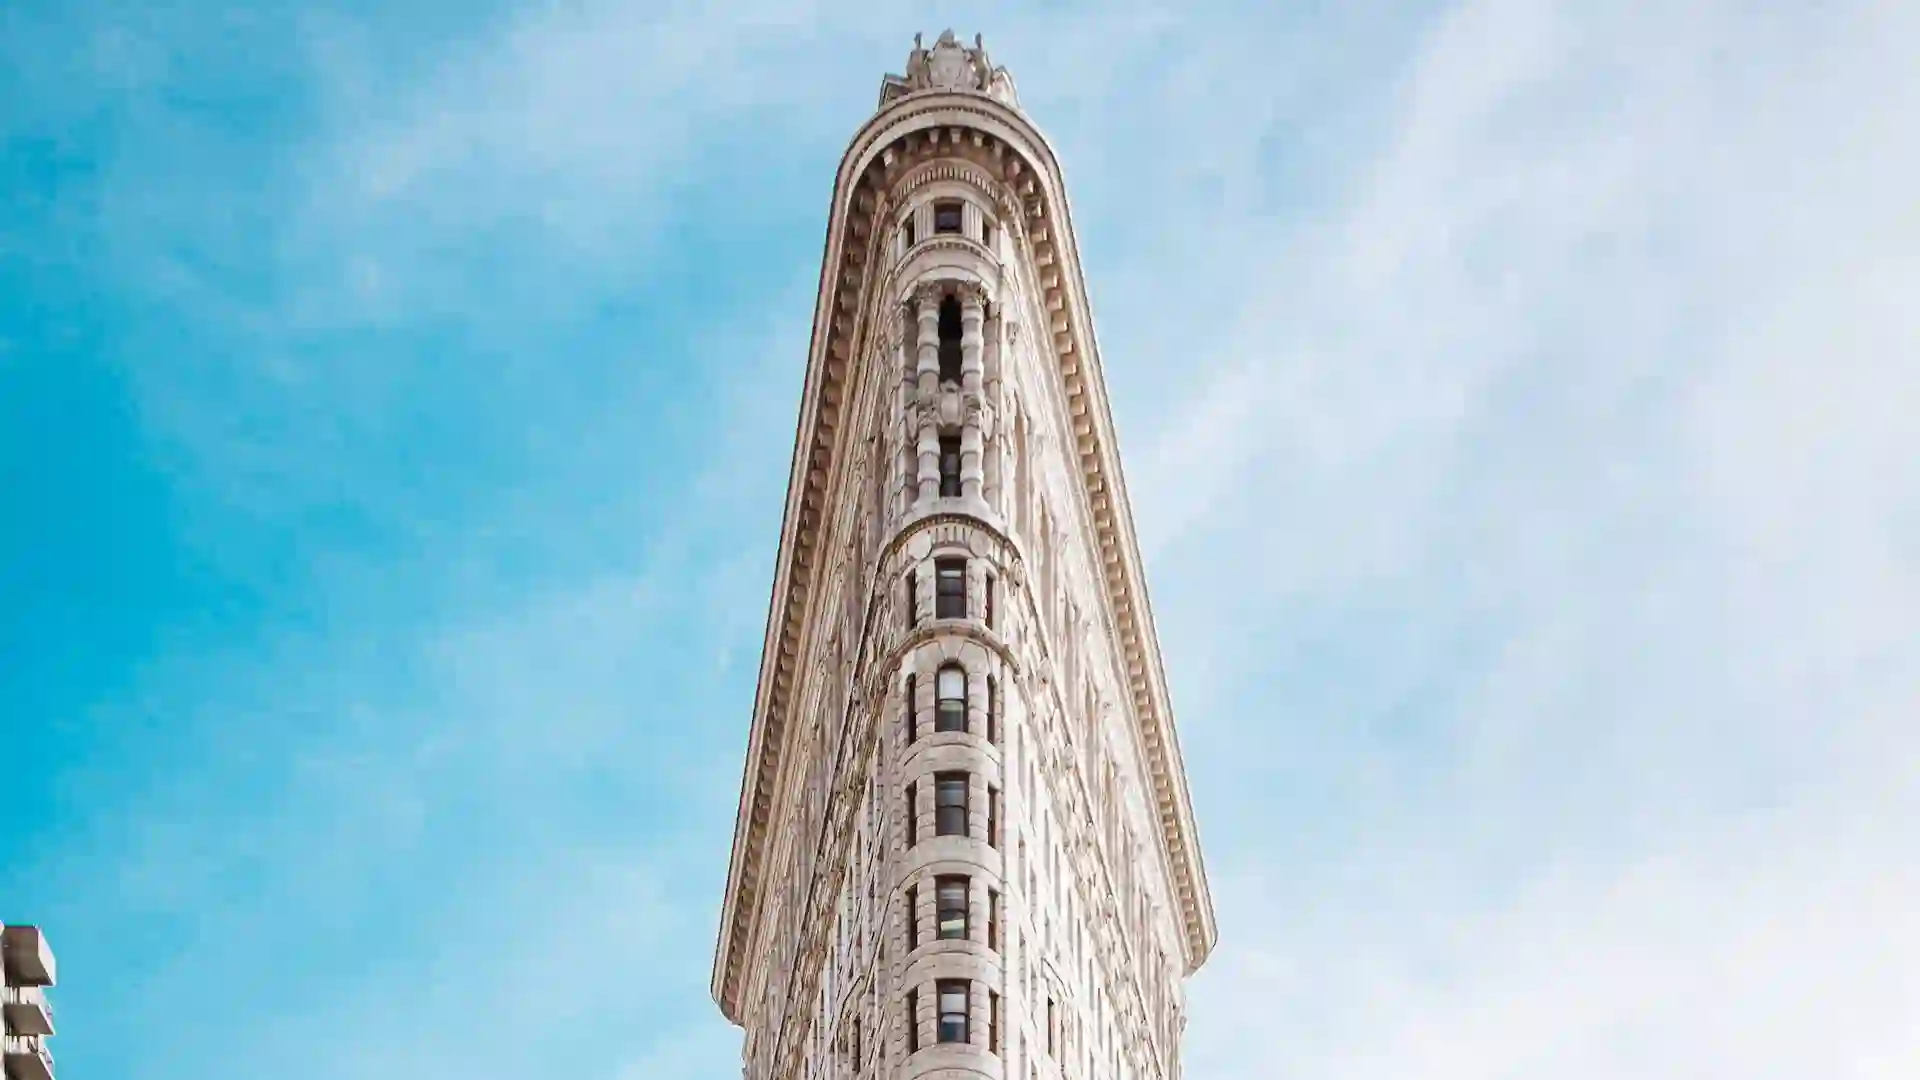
<point x="994" y="466"/>
<point x="973" y="304"/>
<point x="927" y="390"/>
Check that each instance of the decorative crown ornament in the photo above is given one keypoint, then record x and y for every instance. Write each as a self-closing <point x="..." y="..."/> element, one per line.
<point x="950" y="67"/>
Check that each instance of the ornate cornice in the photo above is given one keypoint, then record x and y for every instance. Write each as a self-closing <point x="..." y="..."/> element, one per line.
<point x="918" y="122"/>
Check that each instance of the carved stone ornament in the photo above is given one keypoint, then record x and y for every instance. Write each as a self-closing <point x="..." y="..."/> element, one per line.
<point x="928" y="294"/>
<point x="971" y="293"/>
<point x="950" y="66"/>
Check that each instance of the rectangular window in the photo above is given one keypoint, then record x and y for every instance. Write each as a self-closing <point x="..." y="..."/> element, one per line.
<point x="993" y="1022"/>
<point x="949" y="466"/>
<point x="913" y="1021"/>
<point x="993" y="919"/>
<point x="993" y="818"/>
<point x="950" y="895"/>
<point x="953" y="1010"/>
<point x="950" y="804"/>
<point x="913" y="917"/>
<point x="1052" y="1038"/>
<point x="913" y="819"/>
<point x="950" y="699"/>
<point x="989" y="599"/>
<point x="950" y="589"/>
<point x="993" y="708"/>
<point x="908" y="227"/>
<point x="907" y="723"/>
<point x="946" y="217"/>
<point x="913" y="597"/>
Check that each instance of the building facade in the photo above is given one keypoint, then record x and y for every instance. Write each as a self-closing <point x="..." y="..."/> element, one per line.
<point x="964" y="846"/>
<point x="24" y="1010"/>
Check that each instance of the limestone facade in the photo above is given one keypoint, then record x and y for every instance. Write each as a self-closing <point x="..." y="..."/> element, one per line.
<point x="964" y="847"/>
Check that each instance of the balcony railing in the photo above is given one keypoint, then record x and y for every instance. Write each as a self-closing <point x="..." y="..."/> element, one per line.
<point x="27" y="1010"/>
<point x="28" y="1059"/>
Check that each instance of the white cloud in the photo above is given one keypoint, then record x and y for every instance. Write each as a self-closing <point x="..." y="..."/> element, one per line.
<point x="1583" y="453"/>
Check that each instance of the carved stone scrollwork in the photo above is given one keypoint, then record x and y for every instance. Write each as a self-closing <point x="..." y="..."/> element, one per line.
<point x="950" y="66"/>
<point x="977" y="413"/>
<point x="926" y="411"/>
<point x="930" y="293"/>
<point x="971" y="292"/>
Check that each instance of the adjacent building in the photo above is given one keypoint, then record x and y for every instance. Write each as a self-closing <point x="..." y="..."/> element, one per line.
<point x="964" y="845"/>
<point x="24" y="1010"/>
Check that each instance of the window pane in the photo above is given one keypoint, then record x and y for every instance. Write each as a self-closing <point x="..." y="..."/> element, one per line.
<point x="953" y="683"/>
<point x="952" y="894"/>
<point x="953" y="1011"/>
<point x="950" y="589"/>
<point x="946" y="217"/>
<point x="949" y="467"/>
<point x="950" y="806"/>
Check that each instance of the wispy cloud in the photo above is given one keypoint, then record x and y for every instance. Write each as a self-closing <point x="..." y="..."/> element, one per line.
<point x="1514" y="399"/>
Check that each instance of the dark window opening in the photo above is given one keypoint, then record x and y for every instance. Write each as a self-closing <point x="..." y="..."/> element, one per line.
<point x="946" y="217"/>
<point x="953" y="1010"/>
<point x="950" y="340"/>
<point x="907" y="228"/>
<point x="950" y="707"/>
<point x="913" y="918"/>
<point x="993" y="918"/>
<point x="950" y="897"/>
<point x="913" y="823"/>
<point x="993" y="710"/>
<point x="949" y="466"/>
<point x="950" y="804"/>
<point x="950" y="589"/>
<point x="907" y="723"/>
<point x="913" y="1021"/>
<point x="913" y="600"/>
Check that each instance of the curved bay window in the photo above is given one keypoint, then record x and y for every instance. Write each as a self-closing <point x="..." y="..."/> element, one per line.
<point x="950" y="705"/>
<point x="950" y="804"/>
<point x="950" y="340"/>
<point x="949" y="466"/>
<point x="950" y="897"/>
<point x="950" y="589"/>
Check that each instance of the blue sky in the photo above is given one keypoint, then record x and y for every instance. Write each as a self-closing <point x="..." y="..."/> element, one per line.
<point x="1517" y="398"/>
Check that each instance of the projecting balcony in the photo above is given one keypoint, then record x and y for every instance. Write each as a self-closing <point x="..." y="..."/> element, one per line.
<point x="29" y="961"/>
<point x="28" y="1059"/>
<point x="27" y="1010"/>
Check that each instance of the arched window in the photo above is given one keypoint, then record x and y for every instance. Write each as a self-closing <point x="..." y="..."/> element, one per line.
<point x="950" y="709"/>
<point x="950" y="340"/>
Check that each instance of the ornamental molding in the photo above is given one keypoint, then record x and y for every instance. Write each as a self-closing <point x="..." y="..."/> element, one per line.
<point x="918" y="122"/>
